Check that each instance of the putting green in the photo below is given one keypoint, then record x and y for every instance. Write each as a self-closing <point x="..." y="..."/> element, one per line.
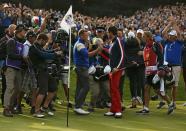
<point x="157" y="120"/>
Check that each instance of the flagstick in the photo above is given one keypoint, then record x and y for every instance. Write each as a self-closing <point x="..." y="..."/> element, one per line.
<point x="66" y="25"/>
<point x="69" y="77"/>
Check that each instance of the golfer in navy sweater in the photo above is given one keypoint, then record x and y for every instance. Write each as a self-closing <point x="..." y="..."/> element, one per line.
<point x="116" y="64"/>
<point x="81" y="61"/>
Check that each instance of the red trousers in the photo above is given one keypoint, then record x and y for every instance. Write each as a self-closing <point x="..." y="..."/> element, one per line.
<point x="114" y="91"/>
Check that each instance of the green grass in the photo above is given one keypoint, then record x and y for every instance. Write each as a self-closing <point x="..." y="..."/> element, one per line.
<point x="181" y="94"/>
<point x="157" y="120"/>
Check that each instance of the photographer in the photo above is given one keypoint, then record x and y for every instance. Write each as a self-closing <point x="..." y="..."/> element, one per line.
<point x="38" y="57"/>
<point x="62" y="42"/>
<point x="58" y="41"/>
<point x="52" y="23"/>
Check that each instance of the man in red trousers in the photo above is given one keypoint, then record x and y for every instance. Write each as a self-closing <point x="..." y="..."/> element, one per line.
<point x="116" y="64"/>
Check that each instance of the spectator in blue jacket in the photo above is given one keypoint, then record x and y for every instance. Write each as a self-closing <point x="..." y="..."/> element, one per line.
<point x="173" y="53"/>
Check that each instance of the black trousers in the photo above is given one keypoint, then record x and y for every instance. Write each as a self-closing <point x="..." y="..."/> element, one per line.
<point x="46" y="83"/>
<point x="137" y="81"/>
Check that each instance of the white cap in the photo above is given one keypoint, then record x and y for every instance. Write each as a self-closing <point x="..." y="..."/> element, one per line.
<point x="125" y="30"/>
<point x="173" y="33"/>
<point x="107" y="69"/>
<point x="140" y="31"/>
<point x="91" y="70"/>
<point x="86" y="27"/>
<point x="131" y="34"/>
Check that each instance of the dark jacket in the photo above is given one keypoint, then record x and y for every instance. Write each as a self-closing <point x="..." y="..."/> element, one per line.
<point x="3" y="44"/>
<point x="14" y="49"/>
<point x="132" y="47"/>
<point x="184" y="55"/>
<point x="158" y="50"/>
<point x="39" y="56"/>
<point x="116" y="54"/>
<point x="11" y="47"/>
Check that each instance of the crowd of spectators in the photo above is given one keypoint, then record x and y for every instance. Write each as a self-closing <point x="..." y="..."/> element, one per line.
<point x="133" y="34"/>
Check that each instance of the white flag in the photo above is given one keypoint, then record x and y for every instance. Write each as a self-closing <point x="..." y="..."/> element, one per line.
<point x="67" y="20"/>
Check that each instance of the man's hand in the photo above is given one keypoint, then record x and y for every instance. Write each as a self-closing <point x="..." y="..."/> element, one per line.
<point x="100" y="46"/>
<point x="58" y="48"/>
<point x="115" y="70"/>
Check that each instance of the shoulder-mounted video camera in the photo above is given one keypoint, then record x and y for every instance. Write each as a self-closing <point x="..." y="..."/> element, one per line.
<point x="61" y="36"/>
<point x="57" y="70"/>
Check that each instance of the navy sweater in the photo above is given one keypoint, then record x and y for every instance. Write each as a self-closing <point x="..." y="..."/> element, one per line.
<point x="116" y="54"/>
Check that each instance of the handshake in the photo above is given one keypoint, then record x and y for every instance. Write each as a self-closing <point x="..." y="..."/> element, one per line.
<point x="98" y="42"/>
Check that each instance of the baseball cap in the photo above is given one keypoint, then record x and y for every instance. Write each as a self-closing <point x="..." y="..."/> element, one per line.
<point x="173" y="33"/>
<point x="131" y="34"/>
<point x="140" y="31"/>
<point x="86" y="27"/>
<point x="100" y="29"/>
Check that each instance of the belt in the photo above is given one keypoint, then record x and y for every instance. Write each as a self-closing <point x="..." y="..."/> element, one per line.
<point x="151" y="68"/>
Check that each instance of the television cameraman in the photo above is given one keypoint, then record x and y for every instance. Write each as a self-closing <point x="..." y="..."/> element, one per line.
<point x="39" y="57"/>
<point x="61" y="41"/>
<point x="58" y="40"/>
